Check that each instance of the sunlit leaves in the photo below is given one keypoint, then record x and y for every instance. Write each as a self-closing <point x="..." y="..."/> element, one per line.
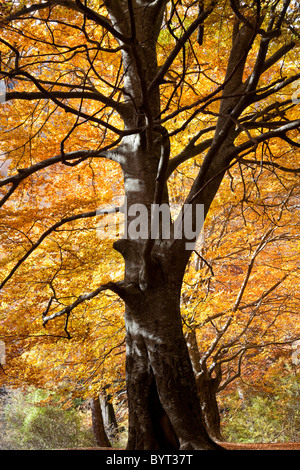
<point x="68" y="74"/>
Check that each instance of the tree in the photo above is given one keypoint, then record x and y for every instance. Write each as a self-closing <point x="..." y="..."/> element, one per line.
<point x="98" y="425"/>
<point x="122" y="83"/>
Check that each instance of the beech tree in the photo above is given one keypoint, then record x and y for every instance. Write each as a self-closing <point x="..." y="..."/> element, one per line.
<point x="126" y="82"/>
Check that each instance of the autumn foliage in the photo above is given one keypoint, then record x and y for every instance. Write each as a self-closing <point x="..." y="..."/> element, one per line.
<point x="61" y="122"/>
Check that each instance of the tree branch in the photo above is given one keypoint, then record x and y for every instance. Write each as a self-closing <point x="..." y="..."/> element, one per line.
<point x="100" y="20"/>
<point x="254" y="303"/>
<point x="114" y="287"/>
<point x="51" y="95"/>
<point x="188" y="152"/>
<point x="247" y="161"/>
<point x="276" y="88"/>
<point x="82" y="94"/>
<point x="279" y="132"/>
<point x="71" y="5"/>
<point x="236" y="375"/>
<point x="42" y="237"/>
<point x="281" y="52"/>
<point x="236" y="154"/>
<point x="262" y="244"/>
<point x="181" y="41"/>
<point x="79" y="156"/>
<point x="25" y="11"/>
<point x="53" y="228"/>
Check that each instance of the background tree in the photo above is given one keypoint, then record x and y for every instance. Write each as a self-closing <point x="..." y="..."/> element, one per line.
<point x="118" y="82"/>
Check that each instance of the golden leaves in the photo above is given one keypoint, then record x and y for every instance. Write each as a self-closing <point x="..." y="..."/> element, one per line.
<point x="226" y="296"/>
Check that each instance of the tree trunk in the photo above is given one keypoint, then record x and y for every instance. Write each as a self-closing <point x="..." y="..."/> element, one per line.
<point x="109" y="417"/>
<point x="98" y="425"/>
<point x="209" y="406"/>
<point x="206" y="387"/>
<point x="164" y="410"/>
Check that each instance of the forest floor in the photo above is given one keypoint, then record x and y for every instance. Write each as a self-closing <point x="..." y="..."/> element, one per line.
<point x="263" y="446"/>
<point x="234" y="446"/>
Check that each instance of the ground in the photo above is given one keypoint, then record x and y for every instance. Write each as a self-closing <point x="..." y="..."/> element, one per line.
<point x="235" y="446"/>
<point x="270" y="446"/>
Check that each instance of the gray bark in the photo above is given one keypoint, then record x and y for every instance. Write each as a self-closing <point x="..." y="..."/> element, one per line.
<point x="164" y="408"/>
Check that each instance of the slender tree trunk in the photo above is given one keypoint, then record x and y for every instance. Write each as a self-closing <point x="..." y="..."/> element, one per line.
<point x="206" y="387"/>
<point x="210" y="410"/>
<point x="98" y="425"/>
<point x="109" y="417"/>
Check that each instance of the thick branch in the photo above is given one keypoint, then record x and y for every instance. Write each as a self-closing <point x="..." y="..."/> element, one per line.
<point x="237" y="151"/>
<point x="68" y="109"/>
<point x="71" y="5"/>
<point x="67" y="95"/>
<point x="190" y="151"/>
<point x="42" y="237"/>
<point x="100" y="20"/>
<point x="260" y="163"/>
<point x="79" y="156"/>
<point x="25" y="11"/>
<point x="281" y="52"/>
<point x="279" y="132"/>
<point x="279" y="85"/>
<point x="114" y="287"/>
<point x="25" y="172"/>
